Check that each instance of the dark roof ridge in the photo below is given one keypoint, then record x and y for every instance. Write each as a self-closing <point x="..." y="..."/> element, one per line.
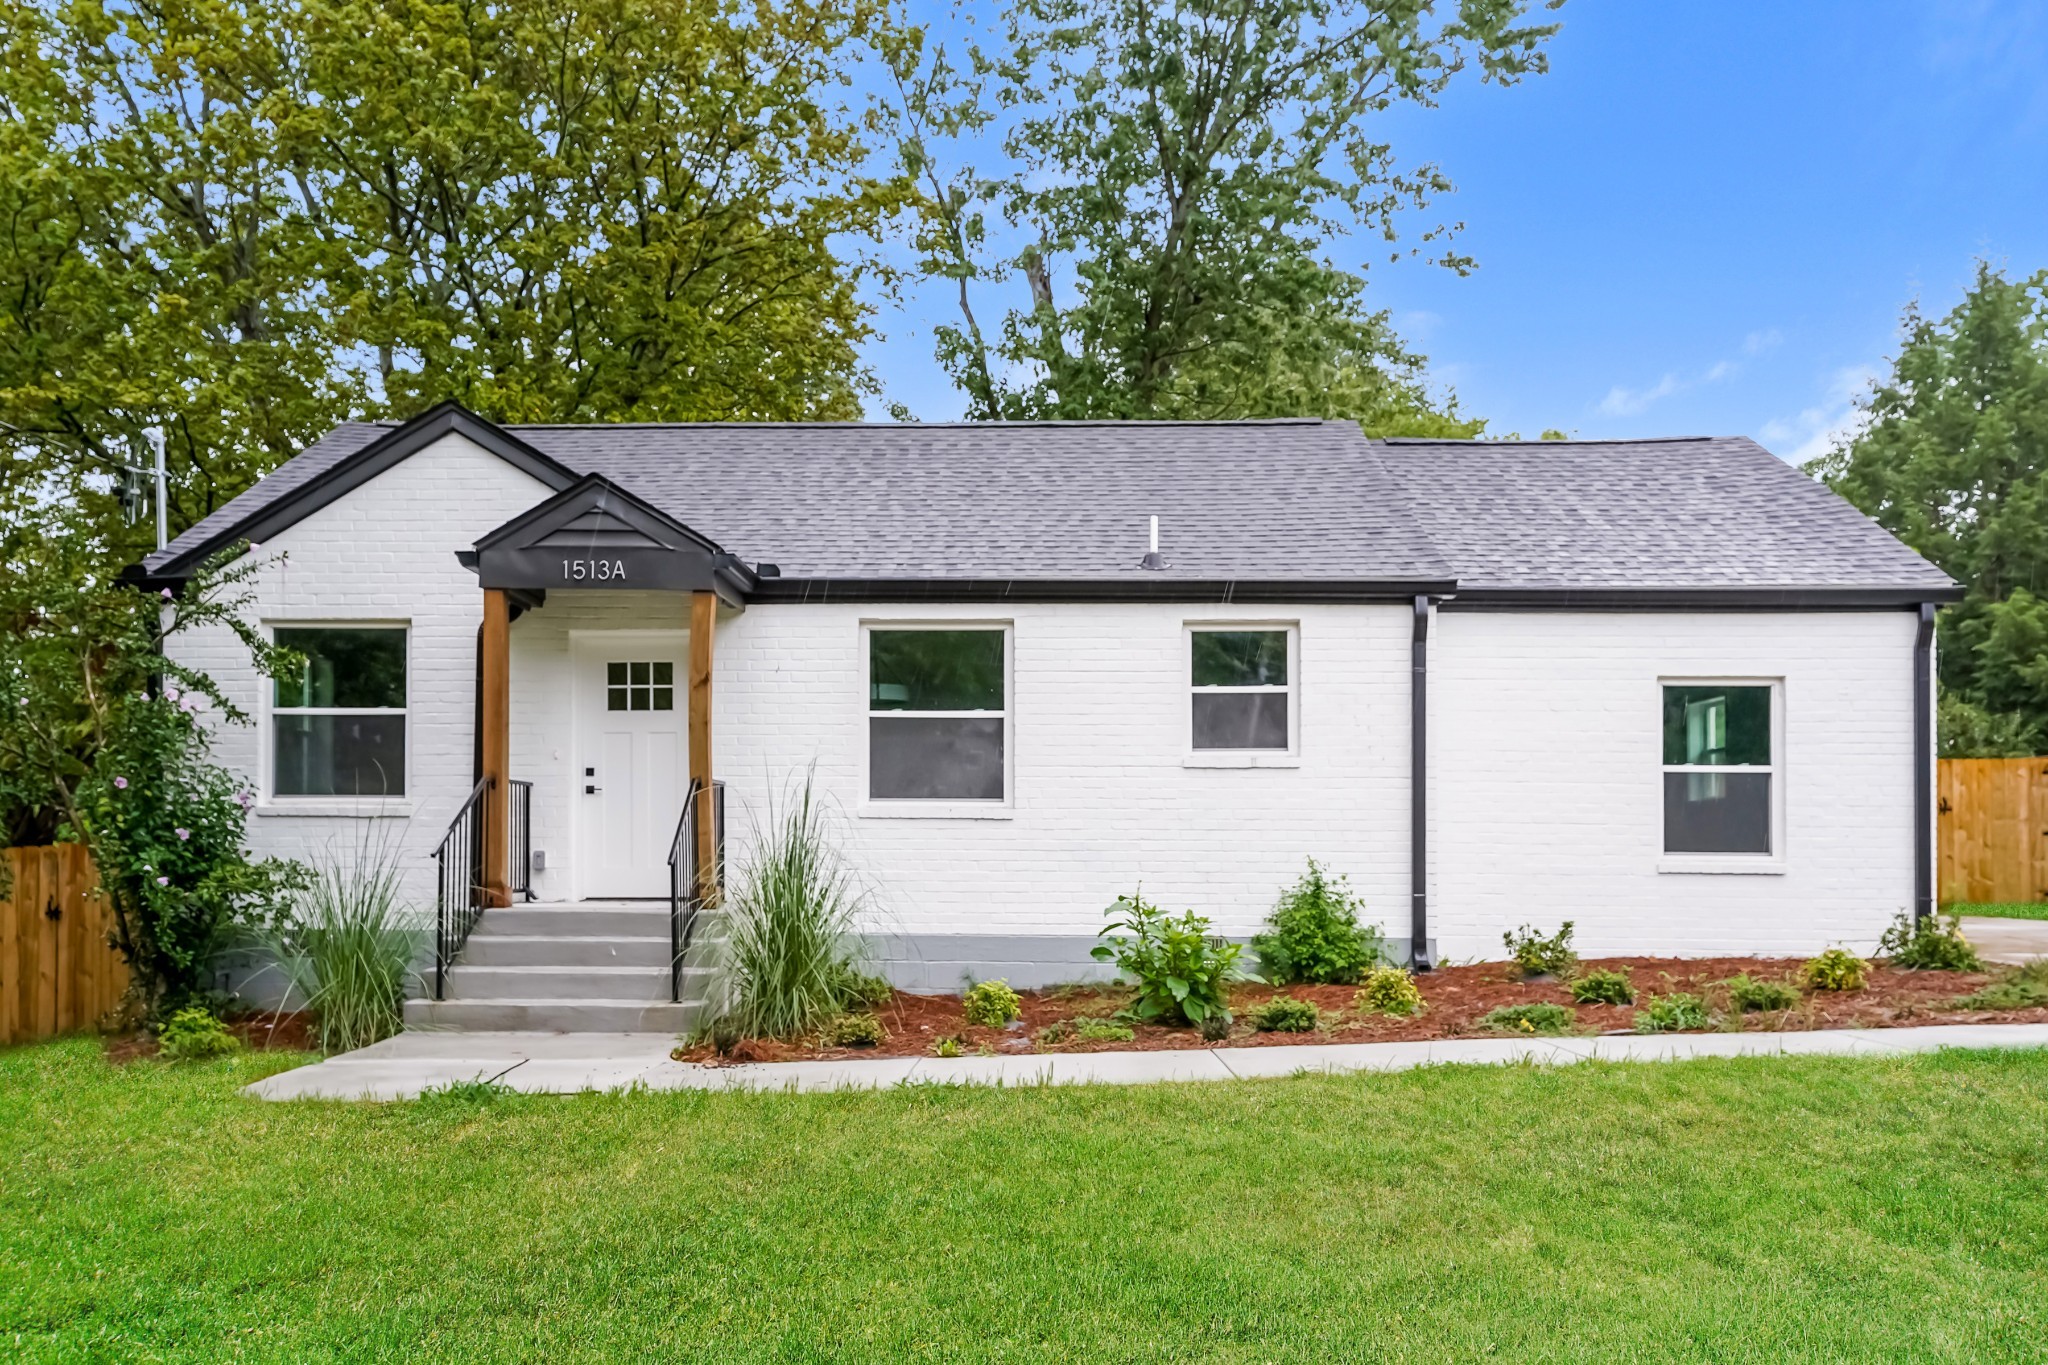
<point x="1554" y="441"/>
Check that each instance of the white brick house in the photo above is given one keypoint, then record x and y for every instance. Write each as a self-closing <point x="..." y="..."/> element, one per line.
<point x="1671" y="690"/>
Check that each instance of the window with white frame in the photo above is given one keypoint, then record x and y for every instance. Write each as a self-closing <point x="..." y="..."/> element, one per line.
<point x="1243" y="691"/>
<point x="937" y="713"/>
<point x="338" y="717"/>
<point x="1719" y="775"/>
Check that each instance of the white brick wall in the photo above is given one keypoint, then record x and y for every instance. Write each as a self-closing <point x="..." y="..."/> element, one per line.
<point x="1545" y="790"/>
<point x="1545" y="798"/>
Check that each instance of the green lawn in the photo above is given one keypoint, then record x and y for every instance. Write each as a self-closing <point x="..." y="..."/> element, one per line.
<point x="2001" y="910"/>
<point x="1722" y="1210"/>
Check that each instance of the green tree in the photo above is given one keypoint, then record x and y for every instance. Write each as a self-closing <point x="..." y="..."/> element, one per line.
<point x="1177" y="177"/>
<point x="239" y="221"/>
<point x="1953" y="459"/>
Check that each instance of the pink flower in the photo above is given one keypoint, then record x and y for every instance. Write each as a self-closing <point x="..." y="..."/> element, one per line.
<point x="163" y="881"/>
<point x="121" y="784"/>
<point x="183" y="834"/>
<point x="167" y="594"/>
<point x="243" y="800"/>
<point x="172" y="694"/>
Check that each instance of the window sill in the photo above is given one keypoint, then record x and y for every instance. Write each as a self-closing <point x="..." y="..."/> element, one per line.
<point x="1738" y="864"/>
<point x="936" y="810"/>
<point x="1240" y="758"/>
<point x="371" y="808"/>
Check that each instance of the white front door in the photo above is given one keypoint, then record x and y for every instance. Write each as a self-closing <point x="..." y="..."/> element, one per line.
<point x="632" y="761"/>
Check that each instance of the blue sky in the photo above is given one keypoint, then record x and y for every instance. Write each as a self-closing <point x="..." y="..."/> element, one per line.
<point x="1706" y="219"/>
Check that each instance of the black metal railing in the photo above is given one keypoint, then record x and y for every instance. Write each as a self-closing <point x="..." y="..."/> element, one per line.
<point x="521" y="871"/>
<point x="685" y="887"/>
<point x="459" y="890"/>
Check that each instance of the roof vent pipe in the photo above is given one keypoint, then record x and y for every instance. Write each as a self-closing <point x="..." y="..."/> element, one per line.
<point x="1153" y="559"/>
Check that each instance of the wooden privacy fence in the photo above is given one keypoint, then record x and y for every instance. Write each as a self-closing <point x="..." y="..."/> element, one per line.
<point x="1994" y="829"/>
<point x="56" y="971"/>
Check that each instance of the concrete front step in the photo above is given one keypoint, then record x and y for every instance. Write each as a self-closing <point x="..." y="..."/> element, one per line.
<point x="552" y="1016"/>
<point x="552" y="950"/>
<point x="568" y="983"/>
<point x="584" y="919"/>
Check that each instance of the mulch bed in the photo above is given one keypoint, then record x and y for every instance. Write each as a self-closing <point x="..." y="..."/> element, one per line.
<point x="258" y="1032"/>
<point x="1454" y="1000"/>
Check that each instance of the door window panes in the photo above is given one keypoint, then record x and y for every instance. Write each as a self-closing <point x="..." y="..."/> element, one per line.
<point x="648" y="685"/>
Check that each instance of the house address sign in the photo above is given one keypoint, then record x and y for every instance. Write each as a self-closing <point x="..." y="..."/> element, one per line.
<point x="593" y="570"/>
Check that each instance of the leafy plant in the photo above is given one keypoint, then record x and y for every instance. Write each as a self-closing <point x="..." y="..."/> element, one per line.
<point x="1538" y="955"/>
<point x="854" y="1030"/>
<point x="1837" y="969"/>
<point x="1541" y="1017"/>
<point x="1285" y="1014"/>
<point x="1754" y="995"/>
<point x="2020" y="989"/>
<point x="1672" y="1013"/>
<point x="1389" y="990"/>
<point x="992" y="1004"/>
<point x="193" y="1034"/>
<point x="1316" y="936"/>
<point x="348" y="946"/>
<point x="1103" y="1031"/>
<point x="1179" y="970"/>
<point x="1603" y="988"/>
<point x="787" y="964"/>
<point x="861" y="990"/>
<point x="1215" y="1028"/>
<point x="1935" y="944"/>
<point x="946" y="1047"/>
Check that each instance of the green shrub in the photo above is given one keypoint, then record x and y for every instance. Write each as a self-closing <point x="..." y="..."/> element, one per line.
<point x="1540" y="956"/>
<point x="992" y="1004"/>
<point x="1603" y="988"/>
<point x="1751" y="995"/>
<point x="786" y="967"/>
<point x="348" y="946"/>
<point x="1672" y="1013"/>
<point x="1537" y="1018"/>
<point x="857" y="990"/>
<point x="1935" y="944"/>
<point x="1389" y="990"/>
<point x="1103" y="1031"/>
<point x="2024" y="988"/>
<point x="946" y="1047"/>
<point x="1215" y="1028"/>
<point x="1179" y="970"/>
<point x="854" y="1030"/>
<point x="192" y="1034"/>
<point x="1834" y="970"/>
<point x="1316" y="936"/>
<point x="1285" y="1014"/>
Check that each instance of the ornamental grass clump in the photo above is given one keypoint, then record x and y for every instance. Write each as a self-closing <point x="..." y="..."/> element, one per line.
<point x="349" y="946"/>
<point x="787" y="966"/>
<point x="992" y="1004"/>
<point x="1935" y="944"/>
<point x="1389" y="990"/>
<point x="1180" y="971"/>
<point x="1315" y="936"/>
<point x="1603" y="988"/>
<point x="1837" y="969"/>
<point x="1536" y="1018"/>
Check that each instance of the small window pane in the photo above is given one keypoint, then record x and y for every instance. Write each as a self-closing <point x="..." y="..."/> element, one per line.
<point x="664" y="699"/>
<point x="1240" y="720"/>
<point x="935" y="670"/>
<point x="1717" y="725"/>
<point x="640" y="672"/>
<point x="664" y="674"/>
<point x="1240" y="658"/>
<point x="615" y="699"/>
<point x="344" y="667"/>
<point x="615" y="675"/>
<point x="1717" y="812"/>
<point x="361" y="755"/>
<point x="935" y="758"/>
<point x="641" y="701"/>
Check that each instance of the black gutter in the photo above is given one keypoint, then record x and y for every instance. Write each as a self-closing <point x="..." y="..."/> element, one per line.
<point x="1700" y="599"/>
<point x="1150" y="588"/>
<point x="1923" y="766"/>
<point x="1418" y="790"/>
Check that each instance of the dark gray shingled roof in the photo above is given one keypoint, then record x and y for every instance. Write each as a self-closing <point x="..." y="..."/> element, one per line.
<point x="1695" y="512"/>
<point x="1282" y="500"/>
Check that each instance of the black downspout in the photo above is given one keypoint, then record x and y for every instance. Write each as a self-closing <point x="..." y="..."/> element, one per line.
<point x="1418" y="792"/>
<point x="1923" y="766"/>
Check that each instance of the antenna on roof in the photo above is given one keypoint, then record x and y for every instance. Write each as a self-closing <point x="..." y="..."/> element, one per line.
<point x="1153" y="559"/>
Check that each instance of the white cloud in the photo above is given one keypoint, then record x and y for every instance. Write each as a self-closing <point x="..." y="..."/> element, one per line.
<point x="1625" y="402"/>
<point x="1756" y="343"/>
<point x="1814" y="431"/>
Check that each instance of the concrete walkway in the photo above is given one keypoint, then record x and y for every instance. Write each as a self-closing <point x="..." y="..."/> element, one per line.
<point x="562" y="1063"/>
<point x="2007" y="940"/>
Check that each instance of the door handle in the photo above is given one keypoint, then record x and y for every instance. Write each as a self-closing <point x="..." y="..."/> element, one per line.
<point x="591" y="791"/>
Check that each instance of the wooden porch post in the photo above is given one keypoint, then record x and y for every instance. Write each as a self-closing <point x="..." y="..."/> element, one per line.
<point x="494" y="718"/>
<point x="703" y="623"/>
